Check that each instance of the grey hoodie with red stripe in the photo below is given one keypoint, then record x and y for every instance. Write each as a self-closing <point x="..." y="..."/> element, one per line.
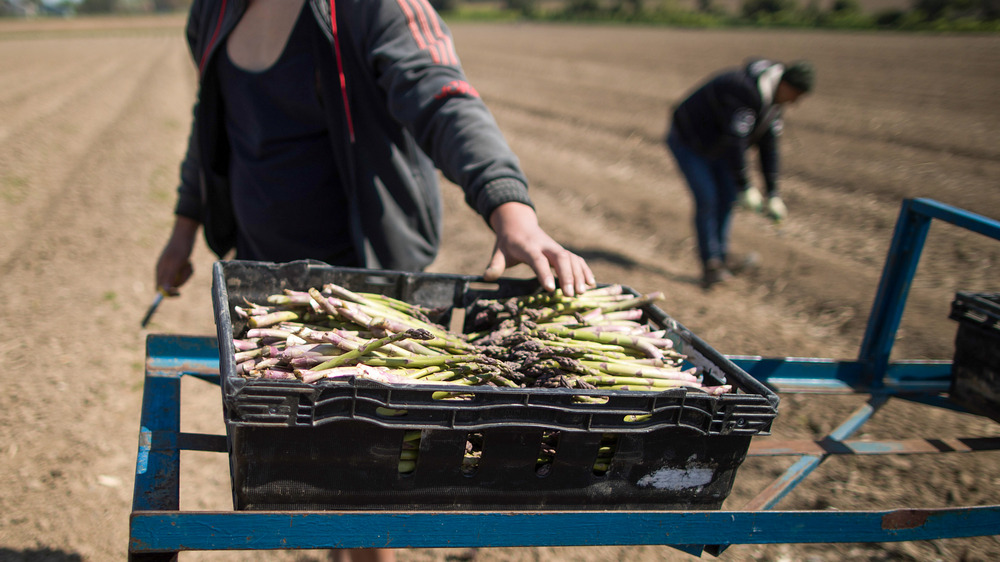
<point x="398" y="109"/>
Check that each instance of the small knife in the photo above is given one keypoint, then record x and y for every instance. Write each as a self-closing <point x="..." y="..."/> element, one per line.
<point x="152" y="308"/>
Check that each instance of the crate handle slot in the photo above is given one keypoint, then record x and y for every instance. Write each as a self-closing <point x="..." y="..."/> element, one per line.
<point x="484" y="286"/>
<point x="382" y="280"/>
<point x="409" y="452"/>
<point x="473" y="453"/>
<point x="444" y="395"/>
<point x="548" y="447"/>
<point x="457" y="323"/>
<point x="590" y="400"/>
<point x="384" y="412"/>
<point x="605" y="454"/>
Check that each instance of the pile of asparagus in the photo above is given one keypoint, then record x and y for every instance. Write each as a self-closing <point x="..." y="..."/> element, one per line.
<point x="594" y="340"/>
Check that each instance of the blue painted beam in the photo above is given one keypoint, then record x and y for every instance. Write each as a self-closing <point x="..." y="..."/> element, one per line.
<point x="959" y="217"/>
<point x="190" y="355"/>
<point x="894" y="286"/>
<point x="809" y="374"/>
<point x="820" y="375"/>
<point x="157" y="478"/>
<point x="172" y="531"/>
<point x="770" y="496"/>
<point x="900" y="266"/>
<point x="157" y="467"/>
<point x="768" y="446"/>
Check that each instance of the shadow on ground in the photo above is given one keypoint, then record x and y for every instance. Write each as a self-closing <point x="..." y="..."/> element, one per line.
<point x="38" y="555"/>
<point x="614" y="258"/>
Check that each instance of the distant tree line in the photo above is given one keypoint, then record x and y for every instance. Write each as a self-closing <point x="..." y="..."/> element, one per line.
<point x="131" y="6"/>
<point x="32" y="8"/>
<point x="923" y="14"/>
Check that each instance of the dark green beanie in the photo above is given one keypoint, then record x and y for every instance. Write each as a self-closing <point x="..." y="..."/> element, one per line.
<point x="801" y="75"/>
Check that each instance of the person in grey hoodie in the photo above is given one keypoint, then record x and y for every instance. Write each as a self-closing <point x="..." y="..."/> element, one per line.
<point x="709" y="135"/>
<point x="318" y="132"/>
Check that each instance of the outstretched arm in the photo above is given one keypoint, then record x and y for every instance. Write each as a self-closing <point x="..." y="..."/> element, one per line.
<point x="520" y="239"/>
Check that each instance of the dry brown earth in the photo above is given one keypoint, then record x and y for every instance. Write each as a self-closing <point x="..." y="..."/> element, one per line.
<point x="93" y="121"/>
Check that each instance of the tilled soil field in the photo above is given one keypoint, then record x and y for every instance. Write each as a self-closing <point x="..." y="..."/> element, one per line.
<point x="94" y="117"/>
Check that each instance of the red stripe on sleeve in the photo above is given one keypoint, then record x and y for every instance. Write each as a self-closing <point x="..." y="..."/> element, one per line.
<point x="444" y="42"/>
<point x="417" y="32"/>
<point x="424" y="20"/>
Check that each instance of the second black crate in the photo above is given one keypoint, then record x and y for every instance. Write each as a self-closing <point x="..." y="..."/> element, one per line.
<point x="975" y="375"/>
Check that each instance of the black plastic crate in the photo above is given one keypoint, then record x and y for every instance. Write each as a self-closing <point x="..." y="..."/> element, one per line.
<point x="331" y="445"/>
<point x="975" y="372"/>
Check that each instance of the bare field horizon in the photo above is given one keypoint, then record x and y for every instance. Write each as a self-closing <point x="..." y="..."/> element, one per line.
<point x="94" y="119"/>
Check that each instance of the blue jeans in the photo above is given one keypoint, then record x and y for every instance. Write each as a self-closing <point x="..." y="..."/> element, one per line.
<point x="714" y="189"/>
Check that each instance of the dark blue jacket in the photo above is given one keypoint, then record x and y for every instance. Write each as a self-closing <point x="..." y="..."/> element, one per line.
<point x="731" y="112"/>
<point x="399" y="109"/>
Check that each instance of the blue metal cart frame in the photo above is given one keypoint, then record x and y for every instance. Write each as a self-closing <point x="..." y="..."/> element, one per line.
<point x="158" y="530"/>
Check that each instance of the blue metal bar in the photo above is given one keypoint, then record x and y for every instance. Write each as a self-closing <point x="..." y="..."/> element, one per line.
<point x="157" y="472"/>
<point x="171" y="531"/>
<point x="795" y="474"/>
<point x="157" y="478"/>
<point x="897" y="275"/>
<point x="183" y="355"/>
<point x="958" y="217"/>
<point x="807" y="374"/>
<point x="804" y="374"/>
<point x="784" y="447"/>
<point x="872" y="372"/>
<point x="774" y="493"/>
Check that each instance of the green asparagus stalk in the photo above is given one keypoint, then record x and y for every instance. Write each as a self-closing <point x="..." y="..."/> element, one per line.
<point x="621" y="369"/>
<point x="272" y="318"/>
<point x="355" y="354"/>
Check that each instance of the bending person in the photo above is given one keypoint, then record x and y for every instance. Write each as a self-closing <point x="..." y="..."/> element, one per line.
<point x="709" y="135"/>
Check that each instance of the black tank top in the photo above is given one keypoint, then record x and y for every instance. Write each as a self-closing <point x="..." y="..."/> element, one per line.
<point x="287" y="196"/>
